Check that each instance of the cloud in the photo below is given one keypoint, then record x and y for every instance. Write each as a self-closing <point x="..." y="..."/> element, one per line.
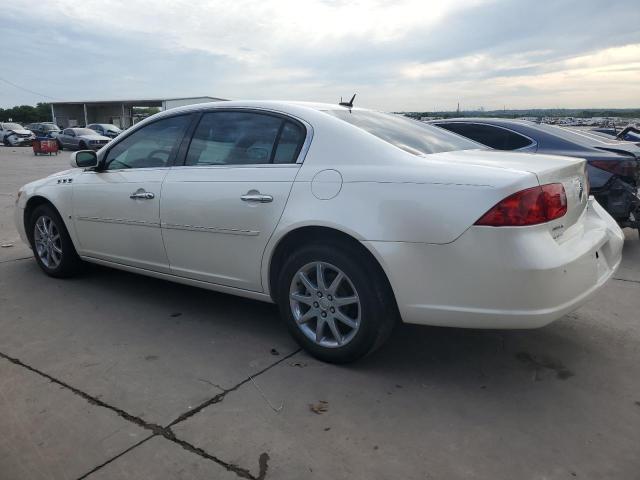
<point x="410" y="54"/>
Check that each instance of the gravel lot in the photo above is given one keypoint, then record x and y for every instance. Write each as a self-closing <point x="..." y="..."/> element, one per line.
<point x="113" y="375"/>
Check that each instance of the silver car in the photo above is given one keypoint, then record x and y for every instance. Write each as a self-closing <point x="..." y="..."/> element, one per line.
<point x="81" y="139"/>
<point x="14" y="134"/>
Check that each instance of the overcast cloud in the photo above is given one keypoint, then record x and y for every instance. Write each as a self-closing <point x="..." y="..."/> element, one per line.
<point x="398" y="55"/>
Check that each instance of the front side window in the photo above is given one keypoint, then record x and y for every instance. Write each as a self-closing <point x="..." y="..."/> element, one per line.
<point x="68" y="131"/>
<point x="244" y="138"/>
<point x="409" y="135"/>
<point x="489" y="135"/>
<point x="152" y="146"/>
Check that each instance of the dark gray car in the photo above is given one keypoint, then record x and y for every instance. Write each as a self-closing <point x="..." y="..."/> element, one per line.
<point x="613" y="165"/>
<point x="81" y="139"/>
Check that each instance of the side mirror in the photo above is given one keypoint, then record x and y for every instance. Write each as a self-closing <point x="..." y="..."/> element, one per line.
<point x="84" y="159"/>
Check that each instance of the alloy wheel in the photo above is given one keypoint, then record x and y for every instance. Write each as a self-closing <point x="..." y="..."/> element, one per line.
<point x="48" y="242"/>
<point x="325" y="304"/>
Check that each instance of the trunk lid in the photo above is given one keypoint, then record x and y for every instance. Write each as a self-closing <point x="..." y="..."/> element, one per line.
<point x="569" y="171"/>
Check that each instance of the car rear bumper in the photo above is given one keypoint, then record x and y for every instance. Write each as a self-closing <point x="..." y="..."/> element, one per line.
<point x="503" y="277"/>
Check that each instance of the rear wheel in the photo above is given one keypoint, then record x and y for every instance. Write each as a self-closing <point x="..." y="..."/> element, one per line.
<point x="52" y="246"/>
<point x="59" y="145"/>
<point x="82" y="146"/>
<point x="336" y="304"/>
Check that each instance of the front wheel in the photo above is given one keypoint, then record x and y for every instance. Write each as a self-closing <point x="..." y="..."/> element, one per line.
<point x="335" y="302"/>
<point x="52" y="246"/>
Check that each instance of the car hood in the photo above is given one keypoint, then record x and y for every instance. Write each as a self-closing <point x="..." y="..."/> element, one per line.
<point x="22" y="131"/>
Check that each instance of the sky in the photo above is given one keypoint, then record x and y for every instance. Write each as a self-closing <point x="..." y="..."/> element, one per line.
<point x="411" y="55"/>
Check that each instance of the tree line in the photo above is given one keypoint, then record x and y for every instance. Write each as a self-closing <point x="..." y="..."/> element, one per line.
<point x="26" y="113"/>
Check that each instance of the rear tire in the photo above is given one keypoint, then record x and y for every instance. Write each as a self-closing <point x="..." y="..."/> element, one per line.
<point x="343" y="317"/>
<point x="51" y="244"/>
<point x="59" y="145"/>
<point x="82" y="146"/>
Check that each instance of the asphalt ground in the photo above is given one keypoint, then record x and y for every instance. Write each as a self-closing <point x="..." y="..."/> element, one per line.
<point x="111" y="375"/>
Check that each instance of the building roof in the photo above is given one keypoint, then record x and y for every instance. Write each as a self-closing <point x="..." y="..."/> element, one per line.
<point x="134" y="101"/>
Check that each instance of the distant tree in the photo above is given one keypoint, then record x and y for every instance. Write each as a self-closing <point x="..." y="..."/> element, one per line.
<point x="26" y="113"/>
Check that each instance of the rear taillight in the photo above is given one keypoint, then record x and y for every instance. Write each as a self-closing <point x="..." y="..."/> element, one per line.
<point x="624" y="168"/>
<point x="528" y="207"/>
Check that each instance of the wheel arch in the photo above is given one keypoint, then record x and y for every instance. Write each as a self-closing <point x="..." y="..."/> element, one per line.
<point x="34" y="202"/>
<point x="314" y="233"/>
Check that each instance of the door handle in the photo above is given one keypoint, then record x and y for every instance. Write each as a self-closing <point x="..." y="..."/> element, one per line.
<point x="141" y="194"/>
<point x="254" y="196"/>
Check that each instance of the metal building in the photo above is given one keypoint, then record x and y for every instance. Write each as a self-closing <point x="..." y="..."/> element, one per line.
<point x="117" y="112"/>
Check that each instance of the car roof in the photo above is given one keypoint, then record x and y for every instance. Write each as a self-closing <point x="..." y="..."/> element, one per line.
<point x="278" y="105"/>
<point x="541" y="131"/>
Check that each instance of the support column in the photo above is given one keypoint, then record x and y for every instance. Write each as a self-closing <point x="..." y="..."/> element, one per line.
<point x="122" y="122"/>
<point x="86" y="121"/>
<point x="53" y="114"/>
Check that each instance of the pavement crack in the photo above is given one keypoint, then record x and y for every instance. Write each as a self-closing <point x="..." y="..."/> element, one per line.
<point x="113" y="459"/>
<point x="626" y="280"/>
<point x="220" y="396"/>
<point x="16" y="259"/>
<point x="158" y="430"/>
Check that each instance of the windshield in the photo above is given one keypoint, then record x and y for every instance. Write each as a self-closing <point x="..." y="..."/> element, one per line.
<point x="409" y="135"/>
<point x="83" y="131"/>
<point x="50" y="128"/>
<point x="12" y="126"/>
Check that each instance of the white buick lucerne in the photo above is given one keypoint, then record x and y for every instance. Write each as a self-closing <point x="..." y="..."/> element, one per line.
<point x="349" y="219"/>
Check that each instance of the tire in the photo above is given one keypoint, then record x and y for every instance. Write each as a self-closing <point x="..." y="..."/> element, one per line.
<point x="6" y="142"/>
<point x="372" y="317"/>
<point x="59" y="145"/>
<point x="57" y="258"/>
<point x="82" y="146"/>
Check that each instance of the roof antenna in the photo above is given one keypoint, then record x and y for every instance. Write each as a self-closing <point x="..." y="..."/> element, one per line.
<point x="348" y="104"/>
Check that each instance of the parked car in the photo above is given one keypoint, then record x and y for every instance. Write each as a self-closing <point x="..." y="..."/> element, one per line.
<point x="81" y="139"/>
<point x="14" y="134"/>
<point x="613" y="165"/>
<point x="105" y="129"/>
<point x="630" y="133"/>
<point x="44" y="129"/>
<point x="348" y="219"/>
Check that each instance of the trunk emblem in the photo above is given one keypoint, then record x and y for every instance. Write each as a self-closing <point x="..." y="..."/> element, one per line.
<point x="579" y="187"/>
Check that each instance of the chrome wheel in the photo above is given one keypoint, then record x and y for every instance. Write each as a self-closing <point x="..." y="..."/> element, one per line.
<point x="325" y="304"/>
<point x="48" y="242"/>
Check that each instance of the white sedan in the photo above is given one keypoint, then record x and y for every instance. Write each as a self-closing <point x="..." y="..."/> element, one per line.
<point x="350" y="220"/>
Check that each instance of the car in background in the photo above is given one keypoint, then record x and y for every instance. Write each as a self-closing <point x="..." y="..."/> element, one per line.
<point x="630" y="133"/>
<point x="81" y="139"/>
<point x="44" y="129"/>
<point x="14" y="134"/>
<point x="105" y="129"/>
<point x="613" y="165"/>
<point x="350" y="220"/>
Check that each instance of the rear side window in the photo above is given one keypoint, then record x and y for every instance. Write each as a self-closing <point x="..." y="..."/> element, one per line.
<point x="409" y="135"/>
<point x="244" y="138"/>
<point x="489" y="135"/>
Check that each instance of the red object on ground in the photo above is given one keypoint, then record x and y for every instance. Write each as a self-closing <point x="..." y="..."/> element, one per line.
<point x="44" y="146"/>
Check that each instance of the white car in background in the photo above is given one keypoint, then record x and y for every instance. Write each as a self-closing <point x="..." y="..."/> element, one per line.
<point x="348" y="219"/>
<point x="14" y="134"/>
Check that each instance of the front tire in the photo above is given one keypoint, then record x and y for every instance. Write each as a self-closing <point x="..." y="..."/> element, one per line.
<point x="335" y="302"/>
<point x="52" y="246"/>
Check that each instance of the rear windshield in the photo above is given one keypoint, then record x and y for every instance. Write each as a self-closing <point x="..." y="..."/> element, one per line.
<point x="409" y="135"/>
